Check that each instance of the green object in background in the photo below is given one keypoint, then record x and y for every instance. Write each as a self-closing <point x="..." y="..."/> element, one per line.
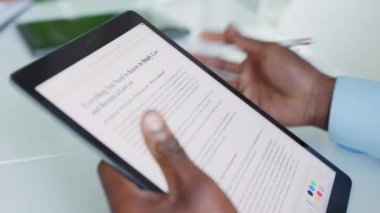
<point x="43" y="36"/>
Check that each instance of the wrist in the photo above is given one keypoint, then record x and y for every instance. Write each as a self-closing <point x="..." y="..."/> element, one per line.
<point x="322" y="93"/>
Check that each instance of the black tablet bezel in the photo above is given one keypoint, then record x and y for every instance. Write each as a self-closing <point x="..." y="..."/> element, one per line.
<point x="41" y="70"/>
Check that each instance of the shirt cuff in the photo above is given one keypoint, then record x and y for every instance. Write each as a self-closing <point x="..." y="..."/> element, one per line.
<point x="355" y="115"/>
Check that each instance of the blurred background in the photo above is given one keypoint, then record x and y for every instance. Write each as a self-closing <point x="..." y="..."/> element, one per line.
<point x="46" y="168"/>
<point x="345" y="32"/>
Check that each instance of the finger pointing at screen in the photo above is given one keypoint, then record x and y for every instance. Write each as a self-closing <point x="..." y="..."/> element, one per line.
<point x="190" y="190"/>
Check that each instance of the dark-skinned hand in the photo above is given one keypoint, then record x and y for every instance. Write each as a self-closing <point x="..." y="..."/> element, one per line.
<point x="276" y="79"/>
<point x="190" y="190"/>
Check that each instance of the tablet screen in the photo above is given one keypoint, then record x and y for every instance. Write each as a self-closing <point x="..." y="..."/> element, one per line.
<point x="258" y="166"/>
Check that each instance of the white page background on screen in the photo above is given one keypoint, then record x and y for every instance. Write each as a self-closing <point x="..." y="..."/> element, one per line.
<point x="258" y="166"/>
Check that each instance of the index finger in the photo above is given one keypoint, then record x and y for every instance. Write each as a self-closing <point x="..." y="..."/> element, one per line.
<point x="219" y="63"/>
<point x="117" y="187"/>
<point x="214" y="36"/>
<point x="231" y="35"/>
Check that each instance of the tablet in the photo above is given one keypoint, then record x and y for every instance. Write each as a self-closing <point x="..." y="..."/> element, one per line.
<point x="101" y="83"/>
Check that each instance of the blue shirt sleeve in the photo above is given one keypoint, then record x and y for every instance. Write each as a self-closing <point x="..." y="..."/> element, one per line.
<point x="355" y="115"/>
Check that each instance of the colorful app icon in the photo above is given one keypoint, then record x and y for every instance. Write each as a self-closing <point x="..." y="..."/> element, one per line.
<point x="314" y="190"/>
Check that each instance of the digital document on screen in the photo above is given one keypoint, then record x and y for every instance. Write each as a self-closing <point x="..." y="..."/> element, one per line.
<point x="257" y="165"/>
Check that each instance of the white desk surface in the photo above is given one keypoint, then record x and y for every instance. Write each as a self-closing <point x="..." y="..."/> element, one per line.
<point x="46" y="168"/>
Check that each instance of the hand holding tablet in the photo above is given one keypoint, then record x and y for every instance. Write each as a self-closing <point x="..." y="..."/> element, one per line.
<point x="102" y="83"/>
<point x="190" y="190"/>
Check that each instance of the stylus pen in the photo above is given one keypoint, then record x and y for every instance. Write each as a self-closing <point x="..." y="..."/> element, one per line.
<point x="296" y="42"/>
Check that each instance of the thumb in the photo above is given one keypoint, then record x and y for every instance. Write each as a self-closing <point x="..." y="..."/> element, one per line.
<point x="176" y="166"/>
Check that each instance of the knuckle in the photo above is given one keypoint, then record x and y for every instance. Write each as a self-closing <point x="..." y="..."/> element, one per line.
<point x="272" y="46"/>
<point x="169" y="147"/>
<point x="200" y="182"/>
<point x="201" y="189"/>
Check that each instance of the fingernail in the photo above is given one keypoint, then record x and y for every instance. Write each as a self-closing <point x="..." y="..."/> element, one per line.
<point x="153" y="122"/>
<point x="231" y="26"/>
